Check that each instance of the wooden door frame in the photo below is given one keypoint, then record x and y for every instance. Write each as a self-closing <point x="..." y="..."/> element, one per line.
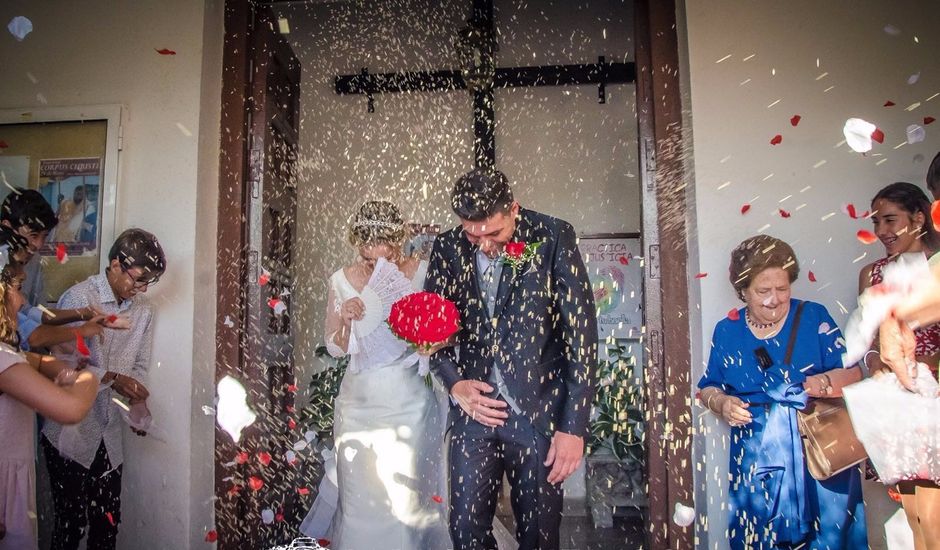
<point x="666" y="290"/>
<point x="668" y="343"/>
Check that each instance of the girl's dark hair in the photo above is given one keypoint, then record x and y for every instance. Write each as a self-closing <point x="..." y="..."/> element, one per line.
<point x="912" y="200"/>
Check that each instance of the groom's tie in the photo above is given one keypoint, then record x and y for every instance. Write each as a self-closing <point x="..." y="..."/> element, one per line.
<point x="489" y="288"/>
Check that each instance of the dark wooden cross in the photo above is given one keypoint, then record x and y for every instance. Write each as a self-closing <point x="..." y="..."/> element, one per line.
<point x="484" y="115"/>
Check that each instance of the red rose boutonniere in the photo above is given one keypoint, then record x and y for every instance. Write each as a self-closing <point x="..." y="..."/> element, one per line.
<point x="518" y="253"/>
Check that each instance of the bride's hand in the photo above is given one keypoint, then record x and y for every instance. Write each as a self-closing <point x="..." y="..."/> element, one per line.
<point x="352" y="309"/>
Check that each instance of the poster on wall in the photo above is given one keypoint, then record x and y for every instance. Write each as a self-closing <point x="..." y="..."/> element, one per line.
<point x="420" y="239"/>
<point x="616" y="271"/>
<point x="71" y="186"/>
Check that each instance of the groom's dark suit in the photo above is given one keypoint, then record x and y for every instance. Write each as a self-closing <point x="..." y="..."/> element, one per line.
<point x="542" y="335"/>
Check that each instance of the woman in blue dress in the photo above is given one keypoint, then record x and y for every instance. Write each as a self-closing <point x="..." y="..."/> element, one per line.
<point x="774" y="501"/>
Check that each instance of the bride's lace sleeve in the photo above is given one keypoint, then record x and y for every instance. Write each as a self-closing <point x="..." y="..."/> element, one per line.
<point x="336" y="343"/>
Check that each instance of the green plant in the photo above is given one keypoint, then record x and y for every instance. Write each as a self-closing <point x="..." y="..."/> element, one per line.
<point x="318" y="414"/>
<point x="618" y="423"/>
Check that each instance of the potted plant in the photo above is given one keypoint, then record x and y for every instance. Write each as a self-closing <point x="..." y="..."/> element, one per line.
<point x="616" y="461"/>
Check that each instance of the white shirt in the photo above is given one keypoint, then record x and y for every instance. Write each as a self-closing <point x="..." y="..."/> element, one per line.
<point x="124" y="352"/>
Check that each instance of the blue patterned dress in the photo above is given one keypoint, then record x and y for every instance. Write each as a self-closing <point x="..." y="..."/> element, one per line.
<point x="774" y="502"/>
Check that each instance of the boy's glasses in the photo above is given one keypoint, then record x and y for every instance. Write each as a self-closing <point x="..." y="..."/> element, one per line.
<point x="142" y="281"/>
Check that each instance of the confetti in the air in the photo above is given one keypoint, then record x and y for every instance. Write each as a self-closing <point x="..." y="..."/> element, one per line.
<point x="913" y="78"/>
<point x="866" y="237"/>
<point x="437" y="499"/>
<point x="683" y="515"/>
<point x="255" y="483"/>
<point x="61" y="254"/>
<point x="19" y="27"/>
<point x="928" y="120"/>
<point x="858" y="134"/>
<point x="795" y="119"/>
<point x="915" y="134"/>
<point x="734" y="314"/>
<point x="3" y="144"/>
<point x="264" y="458"/>
<point x="892" y="30"/>
<point x="277" y="305"/>
<point x="935" y="214"/>
<point x="776" y="140"/>
<point x="242" y="457"/>
<point x="811" y="276"/>
<point x="264" y="278"/>
<point x="701" y="275"/>
<point x="850" y="211"/>
<point x="889" y="103"/>
<point x="234" y="414"/>
<point x="784" y="213"/>
<point x="80" y="346"/>
<point x="212" y="536"/>
<point x="745" y="208"/>
<point x="165" y="51"/>
<point x="267" y="516"/>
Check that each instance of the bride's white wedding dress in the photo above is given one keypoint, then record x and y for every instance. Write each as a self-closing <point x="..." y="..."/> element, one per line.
<point x="388" y="427"/>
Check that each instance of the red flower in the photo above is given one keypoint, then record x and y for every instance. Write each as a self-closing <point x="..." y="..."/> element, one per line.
<point x="212" y="536"/>
<point x="424" y="318"/>
<point x="515" y="249"/>
<point x="777" y="140"/>
<point x="867" y="237"/>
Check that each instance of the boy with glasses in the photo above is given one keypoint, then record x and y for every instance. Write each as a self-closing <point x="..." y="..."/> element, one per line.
<point x="85" y="469"/>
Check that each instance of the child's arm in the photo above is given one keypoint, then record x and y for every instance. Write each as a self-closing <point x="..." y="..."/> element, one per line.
<point x="46" y="335"/>
<point x="63" y="404"/>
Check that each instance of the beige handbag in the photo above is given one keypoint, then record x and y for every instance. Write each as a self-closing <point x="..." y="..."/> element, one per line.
<point x="829" y="442"/>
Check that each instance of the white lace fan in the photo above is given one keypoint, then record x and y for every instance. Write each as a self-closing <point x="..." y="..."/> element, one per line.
<point x="375" y="344"/>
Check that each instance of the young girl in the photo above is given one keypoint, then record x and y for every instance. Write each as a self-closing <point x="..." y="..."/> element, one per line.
<point x="26" y="388"/>
<point x="901" y="218"/>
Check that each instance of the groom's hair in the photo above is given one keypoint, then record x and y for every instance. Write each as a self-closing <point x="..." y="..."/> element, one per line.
<point x="481" y="193"/>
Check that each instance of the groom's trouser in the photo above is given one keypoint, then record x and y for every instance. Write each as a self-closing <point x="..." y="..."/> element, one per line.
<point x="478" y="458"/>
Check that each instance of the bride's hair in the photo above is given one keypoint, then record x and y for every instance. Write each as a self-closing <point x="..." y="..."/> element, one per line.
<point x="377" y="222"/>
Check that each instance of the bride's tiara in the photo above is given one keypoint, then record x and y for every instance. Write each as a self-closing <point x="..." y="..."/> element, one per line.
<point x="378" y="223"/>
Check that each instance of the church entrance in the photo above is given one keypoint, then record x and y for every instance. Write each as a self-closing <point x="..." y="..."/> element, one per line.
<point x="348" y="101"/>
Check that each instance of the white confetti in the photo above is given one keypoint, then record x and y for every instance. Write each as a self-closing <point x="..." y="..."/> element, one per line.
<point x="824" y="327"/>
<point x="19" y="27"/>
<point x="892" y="30"/>
<point x="234" y="414"/>
<point x="913" y="78"/>
<point x="267" y="516"/>
<point x="683" y="516"/>
<point x="916" y="134"/>
<point x="858" y="134"/>
<point x="228" y="322"/>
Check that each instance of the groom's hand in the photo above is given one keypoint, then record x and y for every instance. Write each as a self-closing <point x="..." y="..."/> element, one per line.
<point x="564" y="456"/>
<point x="470" y="396"/>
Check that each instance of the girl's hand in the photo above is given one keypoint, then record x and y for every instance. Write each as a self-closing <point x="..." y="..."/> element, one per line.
<point x="818" y="385"/>
<point x="352" y="309"/>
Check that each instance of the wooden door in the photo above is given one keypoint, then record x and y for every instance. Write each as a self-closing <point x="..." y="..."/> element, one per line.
<point x="262" y="168"/>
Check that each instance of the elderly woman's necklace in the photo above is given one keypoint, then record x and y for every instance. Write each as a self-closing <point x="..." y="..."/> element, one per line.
<point x="759" y="326"/>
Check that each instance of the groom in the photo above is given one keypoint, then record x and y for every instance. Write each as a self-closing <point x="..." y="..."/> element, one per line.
<point x="524" y="379"/>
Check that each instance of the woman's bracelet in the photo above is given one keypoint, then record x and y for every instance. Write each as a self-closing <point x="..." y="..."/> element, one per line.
<point x="865" y="357"/>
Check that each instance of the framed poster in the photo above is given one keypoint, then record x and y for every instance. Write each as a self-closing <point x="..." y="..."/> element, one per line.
<point x="70" y="156"/>
<point x="420" y="239"/>
<point x="615" y="267"/>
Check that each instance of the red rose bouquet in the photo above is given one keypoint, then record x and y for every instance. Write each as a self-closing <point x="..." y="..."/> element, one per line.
<point x="424" y="319"/>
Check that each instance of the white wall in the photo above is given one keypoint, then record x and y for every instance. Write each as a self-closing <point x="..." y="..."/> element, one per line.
<point x="101" y="52"/>
<point x="753" y="65"/>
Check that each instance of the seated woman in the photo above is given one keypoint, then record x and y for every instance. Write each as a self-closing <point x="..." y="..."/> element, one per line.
<point x="901" y="220"/>
<point x="774" y="502"/>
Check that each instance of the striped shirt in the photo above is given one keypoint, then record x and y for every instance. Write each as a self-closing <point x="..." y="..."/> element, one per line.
<point x="124" y="352"/>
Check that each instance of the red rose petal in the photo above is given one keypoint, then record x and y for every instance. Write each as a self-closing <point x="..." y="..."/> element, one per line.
<point x="850" y="210"/>
<point x="795" y="120"/>
<point x="3" y="144"/>
<point x="263" y="279"/>
<point x="878" y="135"/>
<point x="212" y="536"/>
<point x="279" y="517"/>
<point x="255" y="483"/>
<point x="273" y="302"/>
<point x="928" y="120"/>
<point x="264" y="458"/>
<point x="241" y="457"/>
<point x="437" y="499"/>
<point x="894" y="495"/>
<point x="701" y="275"/>
<point x="303" y="491"/>
<point x="60" y="253"/>
<point x="291" y="424"/>
<point x="110" y="518"/>
<point x="935" y="214"/>
<point x="234" y="489"/>
<point x="324" y="542"/>
<point x="289" y="408"/>
<point x="624" y="260"/>
<point x="165" y="51"/>
<point x="734" y="314"/>
<point x="811" y="277"/>
<point x="889" y="103"/>
<point x="745" y="208"/>
<point x="784" y="213"/>
<point x="112" y="318"/>
<point x="80" y="345"/>
<point x="292" y="388"/>
<point x="777" y="140"/>
<point x="866" y="237"/>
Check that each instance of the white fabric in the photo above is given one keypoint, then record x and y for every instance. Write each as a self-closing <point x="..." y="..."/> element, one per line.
<point x="388" y="434"/>
<point x="17" y="465"/>
<point x="899" y="429"/>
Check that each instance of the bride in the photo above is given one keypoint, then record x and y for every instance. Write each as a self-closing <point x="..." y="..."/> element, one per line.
<point x="388" y="427"/>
